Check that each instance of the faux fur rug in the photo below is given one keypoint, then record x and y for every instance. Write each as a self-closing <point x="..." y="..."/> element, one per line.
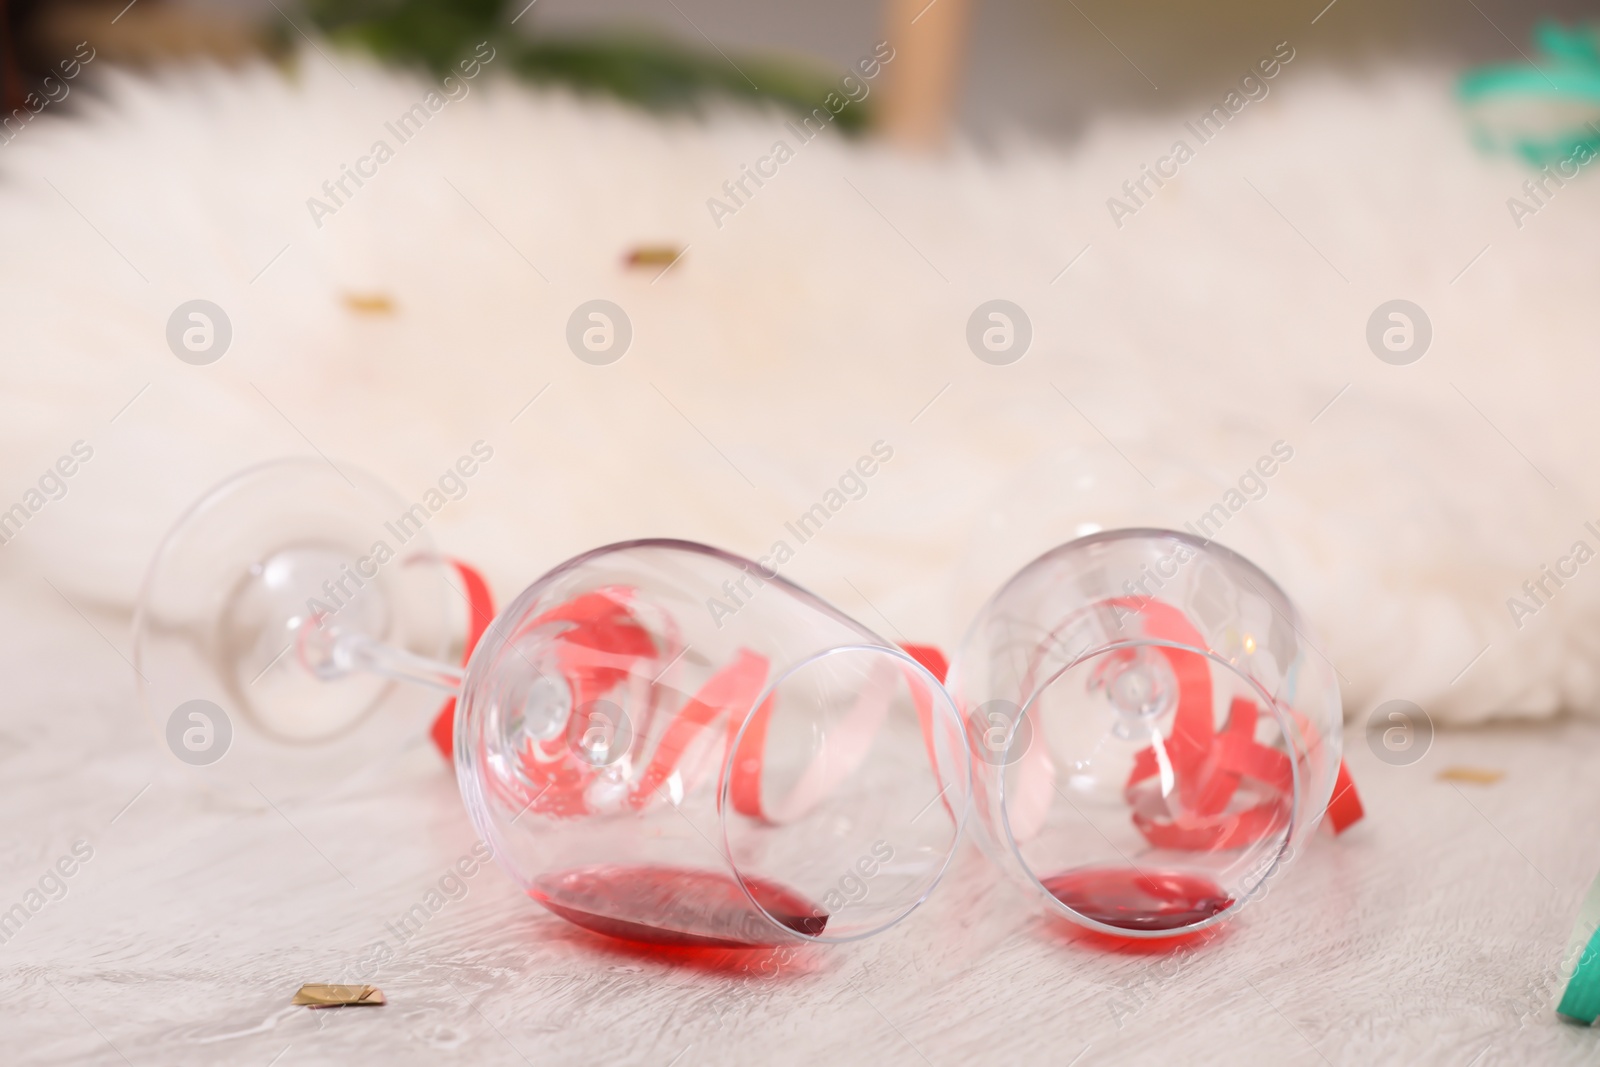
<point x="820" y="315"/>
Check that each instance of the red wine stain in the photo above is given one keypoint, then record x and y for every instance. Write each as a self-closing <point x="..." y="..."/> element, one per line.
<point x="789" y="962"/>
<point x="1129" y="899"/>
<point x="1128" y="945"/>
<point x="677" y="906"/>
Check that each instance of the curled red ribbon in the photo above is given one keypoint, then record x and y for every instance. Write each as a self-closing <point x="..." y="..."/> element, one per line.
<point x="480" y="613"/>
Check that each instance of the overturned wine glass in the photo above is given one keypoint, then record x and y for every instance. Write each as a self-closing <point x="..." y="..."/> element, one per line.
<point x="643" y="761"/>
<point x="1154" y="731"/>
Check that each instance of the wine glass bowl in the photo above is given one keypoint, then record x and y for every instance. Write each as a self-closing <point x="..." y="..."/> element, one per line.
<point x="649" y="766"/>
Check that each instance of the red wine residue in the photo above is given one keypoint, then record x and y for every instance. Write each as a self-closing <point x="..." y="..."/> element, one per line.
<point x="677" y="906"/>
<point x="1129" y="899"/>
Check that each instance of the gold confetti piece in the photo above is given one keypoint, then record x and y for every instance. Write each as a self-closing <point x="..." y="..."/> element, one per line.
<point x="317" y="995"/>
<point x="654" y="256"/>
<point x="1472" y="775"/>
<point x="369" y="303"/>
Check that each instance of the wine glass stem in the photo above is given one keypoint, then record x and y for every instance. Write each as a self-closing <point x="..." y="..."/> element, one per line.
<point x="358" y="652"/>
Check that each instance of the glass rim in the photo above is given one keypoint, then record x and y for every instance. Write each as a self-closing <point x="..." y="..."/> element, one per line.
<point x="1269" y="589"/>
<point x="1287" y="833"/>
<point x="963" y="776"/>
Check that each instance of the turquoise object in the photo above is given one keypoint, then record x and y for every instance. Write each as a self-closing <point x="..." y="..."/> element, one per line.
<point x="1547" y="110"/>
<point x="1580" y="1002"/>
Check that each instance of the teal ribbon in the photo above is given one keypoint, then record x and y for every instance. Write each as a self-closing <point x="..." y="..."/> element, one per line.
<point x="1581" y="1000"/>
<point x="1559" y="91"/>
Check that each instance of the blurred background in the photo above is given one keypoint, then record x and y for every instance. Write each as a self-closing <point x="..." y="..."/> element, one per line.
<point x="1041" y="66"/>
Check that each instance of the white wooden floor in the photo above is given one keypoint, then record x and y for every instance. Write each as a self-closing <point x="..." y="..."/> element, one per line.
<point x="1431" y="934"/>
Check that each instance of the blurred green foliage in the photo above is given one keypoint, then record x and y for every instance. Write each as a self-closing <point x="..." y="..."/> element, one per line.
<point x="648" y="71"/>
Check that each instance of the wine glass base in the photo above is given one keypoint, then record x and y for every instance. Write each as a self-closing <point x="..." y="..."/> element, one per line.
<point x="228" y="598"/>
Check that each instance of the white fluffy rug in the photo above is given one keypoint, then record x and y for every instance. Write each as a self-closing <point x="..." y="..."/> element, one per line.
<point x="821" y="317"/>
